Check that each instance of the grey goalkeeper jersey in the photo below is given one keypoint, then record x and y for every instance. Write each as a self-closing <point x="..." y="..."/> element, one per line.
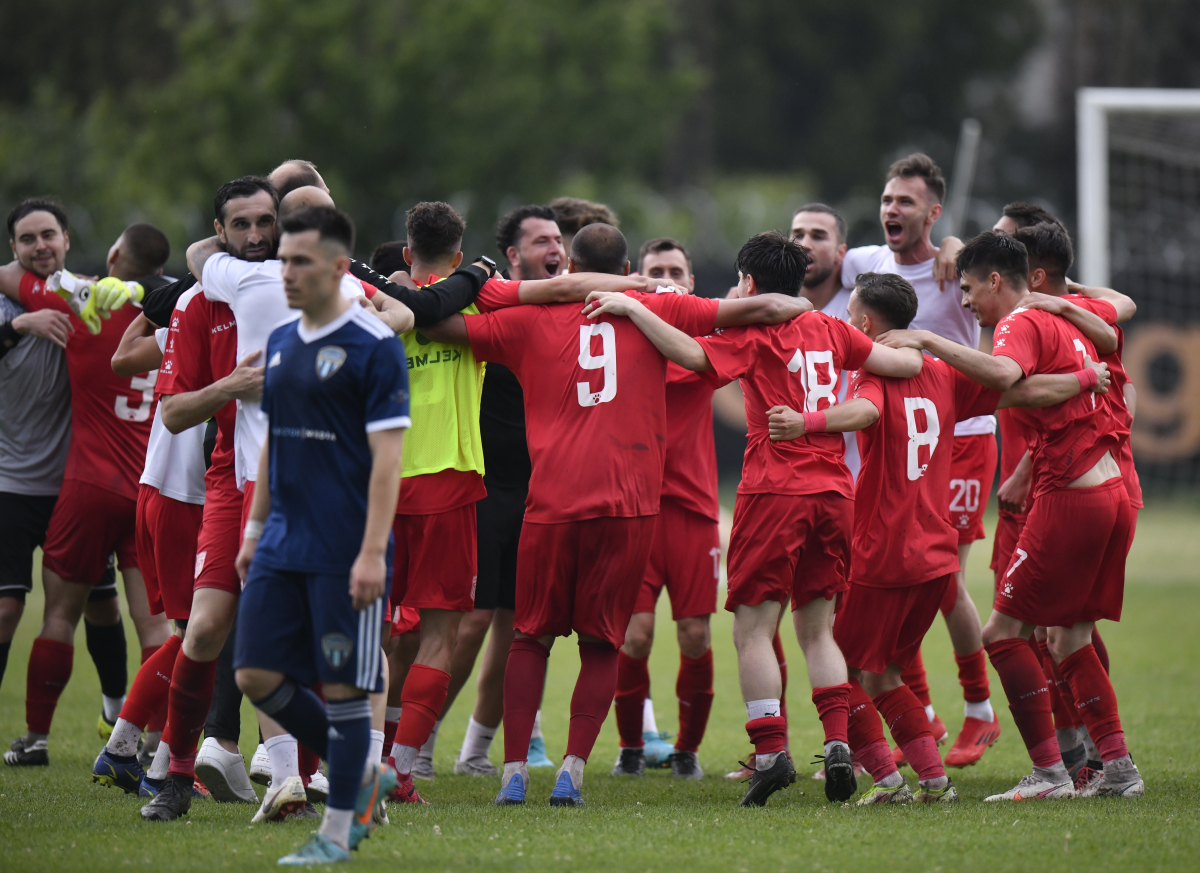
<point x="35" y="413"/>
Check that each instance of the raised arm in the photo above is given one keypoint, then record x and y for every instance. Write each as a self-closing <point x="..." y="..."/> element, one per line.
<point x="575" y="287"/>
<point x="10" y="279"/>
<point x="896" y="363"/>
<point x="674" y="344"/>
<point x="1102" y="334"/>
<point x="1126" y="308"/>
<point x="432" y="303"/>
<point x="1050" y="389"/>
<point x="760" y="309"/>
<point x="784" y="423"/>
<point x="997" y="372"/>
<point x="452" y="330"/>
<point x="138" y="351"/>
<point x="198" y="254"/>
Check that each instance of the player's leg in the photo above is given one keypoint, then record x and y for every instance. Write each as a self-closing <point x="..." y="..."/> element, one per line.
<point x="489" y="699"/>
<point x="754" y="627"/>
<point x="219" y="762"/>
<point x="104" y="632"/>
<point x="864" y="732"/>
<point x="23" y="523"/>
<point x="694" y="691"/>
<point x="633" y="685"/>
<point x="424" y="693"/>
<point x="12" y="607"/>
<point x="831" y="691"/>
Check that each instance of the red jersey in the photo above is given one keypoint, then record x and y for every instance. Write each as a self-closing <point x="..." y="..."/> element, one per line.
<point x="901" y="535"/>
<point x="111" y="415"/>
<point x="1070" y="436"/>
<point x="690" y="474"/>
<point x="202" y="348"/>
<point x="595" y="402"/>
<point x="797" y="364"/>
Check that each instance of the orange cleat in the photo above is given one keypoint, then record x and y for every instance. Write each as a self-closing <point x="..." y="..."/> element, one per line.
<point x="973" y="740"/>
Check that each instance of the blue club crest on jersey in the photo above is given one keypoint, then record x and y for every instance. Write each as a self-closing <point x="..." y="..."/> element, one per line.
<point x="336" y="647"/>
<point x="329" y="361"/>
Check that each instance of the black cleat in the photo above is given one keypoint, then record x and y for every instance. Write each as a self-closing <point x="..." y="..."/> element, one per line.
<point x="31" y="755"/>
<point x="686" y="765"/>
<point x="840" y="783"/>
<point x="631" y="762"/>
<point x="764" y="783"/>
<point x="172" y="801"/>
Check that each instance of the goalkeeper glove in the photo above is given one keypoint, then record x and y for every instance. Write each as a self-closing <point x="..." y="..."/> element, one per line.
<point x="78" y="295"/>
<point x="111" y="294"/>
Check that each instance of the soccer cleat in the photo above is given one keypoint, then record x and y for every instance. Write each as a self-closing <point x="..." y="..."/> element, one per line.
<point x="878" y="794"/>
<point x="1035" y="787"/>
<point x="111" y="772"/>
<point x="938" y="729"/>
<point x="513" y="794"/>
<point x="318" y="850"/>
<point x="104" y="727"/>
<point x="840" y="781"/>
<point x="925" y="794"/>
<point x="172" y="799"/>
<point x="537" y="754"/>
<point x="379" y="813"/>
<point x="309" y="811"/>
<point x="404" y="791"/>
<point x="317" y="789"/>
<point x="475" y="767"/>
<point x="423" y="769"/>
<point x="975" y="738"/>
<point x="224" y="774"/>
<point x="35" y="754"/>
<point x="370" y="795"/>
<point x="657" y="750"/>
<point x="859" y="770"/>
<point x="260" y="766"/>
<point x="630" y="762"/>
<point x="1084" y="777"/>
<point x="764" y="783"/>
<point x="1120" y="778"/>
<point x="565" y="793"/>
<point x="686" y="765"/>
<point x="150" y="787"/>
<point x="281" y="801"/>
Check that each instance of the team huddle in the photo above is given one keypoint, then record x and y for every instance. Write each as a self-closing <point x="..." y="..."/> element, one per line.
<point x="326" y="483"/>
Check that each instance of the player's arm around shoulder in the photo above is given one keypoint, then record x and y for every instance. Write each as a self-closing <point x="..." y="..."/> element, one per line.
<point x="672" y="343"/>
<point x="1095" y="328"/>
<point x="10" y="279"/>
<point x="760" y="309"/>
<point x="784" y="423"/>
<point x="996" y="371"/>
<point x="1050" y="389"/>
<point x="138" y="351"/>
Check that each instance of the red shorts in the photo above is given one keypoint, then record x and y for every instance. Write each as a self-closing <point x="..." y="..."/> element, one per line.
<point x="405" y="620"/>
<point x="785" y="545"/>
<point x="582" y="576"/>
<point x="685" y="558"/>
<point x="1008" y="528"/>
<point x="876" y="627"/>
<point x="166" y="542"/>
<point x="88" y="524"/>
<point x="972" y="469"/>
<point x="1069" y="562"/>
<point x="225" y="510"/>
<point x="436" y="560"/>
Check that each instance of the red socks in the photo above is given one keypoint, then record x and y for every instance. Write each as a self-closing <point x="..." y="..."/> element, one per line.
<point x="1062" y="703"/>
<point x="307" y="761"/>
<point x="906" y="719"/>
<point x="1090" y="684"/>
<point x="914" y="677"/>
<point x="833" y="708"/>
<point x="50" y="665"/>
<point x="146" y="705"/>
<point x="593" y="696"/>
<point x="1101" y="649"/>
<point x="768" y="734"/>
<point x="524" y="679"/>
<point x="865" y="735"/>
<point x="694" y="689"/>
<point x="633" y="687"/>
<point x="421" y="701"/>
<point x="1028" y="698"/>
<point x="973" y="677"/>
<point x="191" y="694"/>
<point x="777" y="645"/>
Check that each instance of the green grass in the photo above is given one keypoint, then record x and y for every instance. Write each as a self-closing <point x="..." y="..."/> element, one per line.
<point x="55" y="819"/>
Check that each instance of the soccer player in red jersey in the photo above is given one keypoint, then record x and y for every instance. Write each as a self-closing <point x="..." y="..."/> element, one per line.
<point x="905" y="550"/>
<point x="792" y="523"/>
<point x="684" y="558"/>
<point x="1068" y="567"/>
<point x="97" y="506"/>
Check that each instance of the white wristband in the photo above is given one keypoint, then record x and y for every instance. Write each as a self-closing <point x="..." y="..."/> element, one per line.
<point x="254" y="530"/>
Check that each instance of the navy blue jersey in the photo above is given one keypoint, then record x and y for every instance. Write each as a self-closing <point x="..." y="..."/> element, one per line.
<point x="324" y="391"/>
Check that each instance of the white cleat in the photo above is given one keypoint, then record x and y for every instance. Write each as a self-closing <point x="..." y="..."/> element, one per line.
<point x="260" y="766"/>
<point x="423" y="768"/>
<point x="279" y="803"/>
<point x="318" y="788"/>
<point x="1121" y="779"/>
<point x="475" y="767"/>
<point x="1035" y="787"/>
<point x="224" y="774"/>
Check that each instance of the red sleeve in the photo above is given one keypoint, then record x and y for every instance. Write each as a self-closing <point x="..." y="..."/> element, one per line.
<point x="868" y="386"/>
<point x="1017" y="338"/>
<point x="368" y="289"/>
<point x="187" y="363"/>
<point x="971" y="398"/>
<point x="1102" y="308"/>
<point x="856" y="345"/>
<point x="34" y="296"/>
<point x="731" y="351"/>
<point x="500" y="336"/>
<point x="497" y="293"/>
<point x="695" y="316"/>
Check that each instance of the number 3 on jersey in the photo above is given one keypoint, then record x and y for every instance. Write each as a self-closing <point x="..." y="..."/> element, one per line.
<point x="606" y="361"/>
<point x="141" y="412"/>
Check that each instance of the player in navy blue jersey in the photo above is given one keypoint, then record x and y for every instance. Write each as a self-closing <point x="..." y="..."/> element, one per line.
<point x="318" y="541"/>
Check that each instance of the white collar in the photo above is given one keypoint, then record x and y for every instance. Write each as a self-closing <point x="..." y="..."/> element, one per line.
<point x="307" y="336"/>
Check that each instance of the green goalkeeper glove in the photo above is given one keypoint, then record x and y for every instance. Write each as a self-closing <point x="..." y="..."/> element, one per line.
<point x="111" y="294"/>
<point x="79" y="297"/>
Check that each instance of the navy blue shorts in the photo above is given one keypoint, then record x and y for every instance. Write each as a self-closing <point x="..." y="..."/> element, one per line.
<point x="305" y="626"/>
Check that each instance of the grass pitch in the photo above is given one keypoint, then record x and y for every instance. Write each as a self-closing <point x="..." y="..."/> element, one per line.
<point x="56" y="819"/>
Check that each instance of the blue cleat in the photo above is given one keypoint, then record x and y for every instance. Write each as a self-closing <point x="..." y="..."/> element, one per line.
<point x="114" y="770"/>
<point x="365" y="807"/>
<point x="318" y="850"/>
<point x="565" y="793"/>
<point x="657" y="750"/>
<point x="537" y="754"/>
<point x="512" y="794"/>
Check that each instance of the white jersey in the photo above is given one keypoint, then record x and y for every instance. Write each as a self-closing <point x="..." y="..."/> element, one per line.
<point x="838" y="307"/>
<point x="254" y="291"/>
<point x="175" y="462"/>
<point x="938" y="311"/>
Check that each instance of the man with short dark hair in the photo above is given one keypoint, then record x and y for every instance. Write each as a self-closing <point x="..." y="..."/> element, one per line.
<point x="573" y="214"/>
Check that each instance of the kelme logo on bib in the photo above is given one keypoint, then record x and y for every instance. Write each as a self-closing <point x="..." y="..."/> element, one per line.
<point x="329" y="361"/>
<point x="336" y="648"/>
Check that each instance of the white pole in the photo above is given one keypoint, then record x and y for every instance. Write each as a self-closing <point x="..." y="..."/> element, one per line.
<point x="963" y="179"/>
<point x="1092" y="143"/>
